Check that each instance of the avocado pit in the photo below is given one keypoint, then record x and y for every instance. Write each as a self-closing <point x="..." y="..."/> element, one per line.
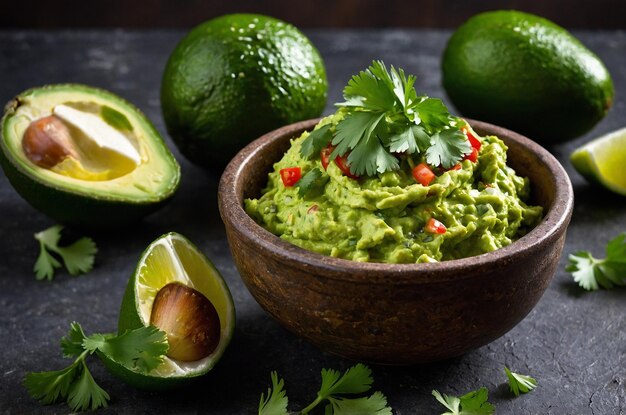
<point x="189" y="319"/>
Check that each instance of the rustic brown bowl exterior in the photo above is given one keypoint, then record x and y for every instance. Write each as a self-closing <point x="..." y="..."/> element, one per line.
<point x="392" y="313"/>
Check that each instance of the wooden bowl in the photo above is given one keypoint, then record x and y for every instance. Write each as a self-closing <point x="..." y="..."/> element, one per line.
<point x="396" y="313"/>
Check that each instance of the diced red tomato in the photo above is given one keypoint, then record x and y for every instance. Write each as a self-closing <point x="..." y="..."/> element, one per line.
<point x="474" y="142"/>
<point x="455" y="167"/>
<point x="423" y="174"/>
<point x="344" y="166"/>
<point x="290" y="175"/>
<point x="473" y="156"/>
<point x="434" y="226"/>
<point x="340" y="161"/>
<point x="325" y="156"/>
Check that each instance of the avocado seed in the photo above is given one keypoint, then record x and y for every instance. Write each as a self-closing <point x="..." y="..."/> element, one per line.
<point x="189" y="319"/>
<point x="47" y="141"/>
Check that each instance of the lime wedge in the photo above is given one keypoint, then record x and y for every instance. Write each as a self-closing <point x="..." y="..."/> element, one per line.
<point x="603" y="160"/>
<point x="173" y="259"/>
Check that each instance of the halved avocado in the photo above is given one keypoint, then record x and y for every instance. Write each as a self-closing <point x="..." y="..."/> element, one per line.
<point x="85" y="156"/>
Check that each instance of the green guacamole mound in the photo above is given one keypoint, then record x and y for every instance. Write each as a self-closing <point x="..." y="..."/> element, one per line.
<point x="382" y="218"/>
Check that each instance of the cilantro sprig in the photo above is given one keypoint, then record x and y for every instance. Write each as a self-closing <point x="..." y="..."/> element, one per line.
<point x="333" y="390"/>
<point x="383" y="116"/>
<point x="472" y="403"/>
<point x="77" y="257"/>
<point x="591" y="273"/>
<point x="520" y="383"/>
<point x="141" y="350"/>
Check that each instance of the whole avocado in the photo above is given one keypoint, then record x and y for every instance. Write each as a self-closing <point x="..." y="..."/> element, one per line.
<point x="524" y="72"/>
<point x="234" y="78"/>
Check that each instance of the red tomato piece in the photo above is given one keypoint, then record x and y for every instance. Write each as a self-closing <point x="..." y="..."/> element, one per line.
<point x="423" y="174"/>
<point x="474" y="142"/>
<point x="434" y="226"/>
<point x="455" y="167"/>
<point x="290" y="175"/>
<point x="473" y="156"/>
<point x="325" y="156"/>
<point x="344" y="166"/>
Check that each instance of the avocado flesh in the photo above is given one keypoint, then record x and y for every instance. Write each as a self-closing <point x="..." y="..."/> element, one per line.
<point x="103" y="185"/>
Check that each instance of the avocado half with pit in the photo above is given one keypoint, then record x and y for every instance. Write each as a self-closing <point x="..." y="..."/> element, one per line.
<point x="85" y="156"/>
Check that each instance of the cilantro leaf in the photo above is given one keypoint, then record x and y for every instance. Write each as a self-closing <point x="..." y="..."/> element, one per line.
<point x="591" y="273"/>
<point x="276" y="401"/>
<point x="475" y="402"/>
<point x="85" y="393"/>
<point x="447" y="148"/>
<point x="48" y="387"/>
<point x="72" y="343"/>
<point x="412" y="139"/>
<point x="77" y="257"/>
<point x="450" y="402"/>
<point x="371" y="88"/>
<point x="357" y="379"/>
<point x="472" y="403"/>
<point x="376" y="404"/>
<point x="141" y="349"/>
<point x="310" y="180"/>
<point x="519" y="383"/>
<point x="432" y="113"/>
<point x="316" y="141"/>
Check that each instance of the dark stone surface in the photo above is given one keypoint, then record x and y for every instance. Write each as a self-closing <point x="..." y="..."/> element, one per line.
<point x="573" y="342"/>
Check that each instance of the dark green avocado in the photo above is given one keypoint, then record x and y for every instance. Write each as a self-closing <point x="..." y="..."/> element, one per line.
<point x="526" y="73"/>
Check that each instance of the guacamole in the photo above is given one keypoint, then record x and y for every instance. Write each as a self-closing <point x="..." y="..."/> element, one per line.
<point x="477" y="207"/>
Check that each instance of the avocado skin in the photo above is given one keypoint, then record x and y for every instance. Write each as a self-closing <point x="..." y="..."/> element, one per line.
<point x="234" y="78"/>
<point x="526" y="73"/>
<point x="93" y="212"/>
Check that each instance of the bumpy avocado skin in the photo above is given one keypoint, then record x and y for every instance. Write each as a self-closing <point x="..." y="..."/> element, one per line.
<point x="77" y="209"/>
<point x="234" y="78"/>
<point x="526" y="73"/>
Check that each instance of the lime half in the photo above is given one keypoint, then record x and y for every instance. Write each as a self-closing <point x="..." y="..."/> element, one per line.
<point x="173" y="259"/>
<point x="603" y="160"/>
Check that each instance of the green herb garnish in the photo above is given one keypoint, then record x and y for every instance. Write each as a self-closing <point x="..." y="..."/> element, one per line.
<point x="77" y="257"/>
<point x="472" y="403"/>
<point x="519" y="383"/>
<point x="335" y="386"/>
<point x="313" y="179"/>
<point x="383" y="115"/>
<point x="141" y="350"/>
<point x="591" y="273"/>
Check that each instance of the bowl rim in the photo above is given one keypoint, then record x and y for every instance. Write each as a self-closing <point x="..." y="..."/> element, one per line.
<point x="552" y="226"/>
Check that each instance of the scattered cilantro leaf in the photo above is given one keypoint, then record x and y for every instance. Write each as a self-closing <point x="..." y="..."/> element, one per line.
<point x="591" y="273"/>
<point x="472" y="403"/>
<point x="447" y="148"/>
<point x="357" y="379"/>
<point x="72" y="343"/>
<point x="276" y="401"/>
<point x="48" y="387"/>
<point x="376" y="404"/>
<point x="141" y="348"/>
<point x="310" y="180"/>
<point x="334" y="387"/>
<point x="519" y="383"/>
<point x="85" y="393"/>
<point x="316" y="141"/>
<point x="77" y="257"/>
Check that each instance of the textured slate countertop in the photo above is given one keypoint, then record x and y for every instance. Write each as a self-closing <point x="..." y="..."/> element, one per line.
<point x="573" y="342"/>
